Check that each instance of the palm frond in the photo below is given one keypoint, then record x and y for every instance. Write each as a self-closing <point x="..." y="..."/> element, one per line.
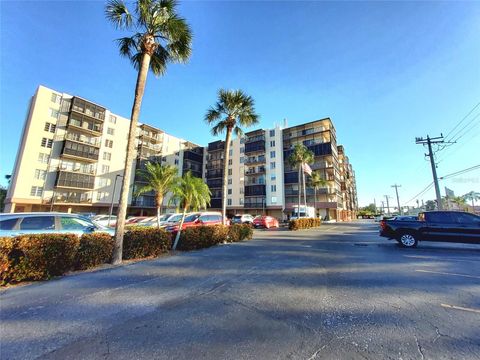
<point x="117" y="12"/>
<point x="159" y="61"/>
<point x="219" y="128"/>
<point x="128" y="46"/>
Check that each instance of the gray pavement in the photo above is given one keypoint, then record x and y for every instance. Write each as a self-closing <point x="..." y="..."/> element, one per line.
<point x="340" y="292"/>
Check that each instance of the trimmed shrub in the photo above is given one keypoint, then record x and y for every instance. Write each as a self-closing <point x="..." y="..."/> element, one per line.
<point x="37" y="256"/>
<point x="240" y="232"/>
<point x="304" y="223"/>
<point x="94" y="249"/>
<point x="199" y="237"/>
<point x="141" y="242"/>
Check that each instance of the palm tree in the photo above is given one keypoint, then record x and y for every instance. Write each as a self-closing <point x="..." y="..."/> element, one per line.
<point x="459" y="201"/>
<point x="192" y="193"/>
<point x="317" y="182"/>
<point x="472" y="196"/>
<point x="300" y="155"/>
<point x="234" y="109"/>
<point x="158" y="178"/>
<point x="159" y="37"/>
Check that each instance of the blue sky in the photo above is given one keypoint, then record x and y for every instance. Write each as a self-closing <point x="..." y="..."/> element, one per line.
<point x="385" y="72"/>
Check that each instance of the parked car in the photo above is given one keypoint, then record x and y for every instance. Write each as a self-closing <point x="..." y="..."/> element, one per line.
<point x="242" y="219"/>
<point x="48" y="222"/>
<point x="133" y="220"/>
<point x="450" y="226"/>
<point x="265" y="221"/>
<point x="197" y="219"/>
<point x="103" y="220"/>
<point x="152" y="221"/>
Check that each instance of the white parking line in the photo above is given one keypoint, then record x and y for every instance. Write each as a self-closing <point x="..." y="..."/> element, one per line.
<point x="446" y="273"/>
<point x="439" y="258"/>
<point x="460" y="308"/>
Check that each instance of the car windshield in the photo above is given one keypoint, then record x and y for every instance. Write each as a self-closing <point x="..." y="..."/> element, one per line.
<point x="164" y="217"/>
<point x="175" y="218"/>
<point x="192" y="217"/>
<point x="237" y="217"/>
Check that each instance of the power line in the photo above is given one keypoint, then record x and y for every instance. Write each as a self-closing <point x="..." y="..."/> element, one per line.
<point x="458" y="147"/>
<point x="429" y="186"/>
<point x="459" y="131"/>
<point x="460" y="172"/>
<point x="458" y="124"/>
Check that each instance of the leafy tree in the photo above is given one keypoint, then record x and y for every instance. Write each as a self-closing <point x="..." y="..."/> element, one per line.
<point x="192" y="193"/>
<point x="158" y="178"/>
<point x="234" y="109"/>
<point x="430" y="205"/>
<point x="459" y="201"/>
<point x="301" y="155"/>
<point x="158" y="36"/>
<point x="3" y="195"/>
<point x="472" y="196"/>
<point x="317" y="182"/>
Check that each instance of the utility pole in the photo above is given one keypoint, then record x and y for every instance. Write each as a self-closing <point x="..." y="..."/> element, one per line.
<point x="398" y="199"/>
<point x="429" y="141"/>
<point x="388" y="206"/>
<point x="383" y="207"/>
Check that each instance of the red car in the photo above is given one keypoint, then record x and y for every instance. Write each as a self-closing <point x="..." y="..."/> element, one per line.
<point x="265" y="221"/>
<point x="198" y="219"/>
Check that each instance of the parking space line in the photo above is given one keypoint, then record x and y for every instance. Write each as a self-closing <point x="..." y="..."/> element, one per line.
<point x="438" y="258"/>
<point x="460" y="308"/>
<point x="446" y="273"/>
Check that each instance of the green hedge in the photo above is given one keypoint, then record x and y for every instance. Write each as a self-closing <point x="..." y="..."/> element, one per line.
<point x="240" y="232"/>
<point x="141" y="242"/>
<point x="94" y="249"/>
<point x="199" y="237"/>
<point x="304" y="223"/>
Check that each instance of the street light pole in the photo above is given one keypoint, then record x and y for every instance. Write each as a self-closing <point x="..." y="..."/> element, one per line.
<point x="398" y="199"/>
<point x="388" y="205"/>
<point x="113" y="197"/>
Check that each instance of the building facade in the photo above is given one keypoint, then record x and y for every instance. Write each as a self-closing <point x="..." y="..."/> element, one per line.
<point x="72" y="155"/>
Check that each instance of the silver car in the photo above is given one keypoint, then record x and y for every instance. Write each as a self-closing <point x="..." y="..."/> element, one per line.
<point x="48" y="222"/>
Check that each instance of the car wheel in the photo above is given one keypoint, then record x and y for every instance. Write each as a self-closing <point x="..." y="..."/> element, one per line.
<point x="408" y="240"/>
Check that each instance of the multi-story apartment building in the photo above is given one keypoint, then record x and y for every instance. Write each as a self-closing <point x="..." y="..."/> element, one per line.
<point x="72" y="155"/>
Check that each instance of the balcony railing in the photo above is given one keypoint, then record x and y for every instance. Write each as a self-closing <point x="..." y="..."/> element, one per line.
<point x="260" y="170"/>
<point x="75" y="180"/>
<point x="255" y="160"/>
<point x="83" y="139"/>
<point x="80" y="150"/>
<point x="251" y="139"/>
<point x="72" y="198"/>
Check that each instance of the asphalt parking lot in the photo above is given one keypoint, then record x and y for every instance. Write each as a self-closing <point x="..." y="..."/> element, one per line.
<point x="340" y="292"/>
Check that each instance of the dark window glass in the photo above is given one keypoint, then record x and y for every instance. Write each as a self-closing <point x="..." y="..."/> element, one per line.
<point x="8" y="224"/>
<point x="466" y="218"/>
<point x="38" y="223"/>
<point x="71" y="223"/>
<point x="439" y="217"/>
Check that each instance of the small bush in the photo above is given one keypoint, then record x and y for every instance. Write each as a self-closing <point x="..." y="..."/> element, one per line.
<point x="240" y="232"/>
<point x="140" y="242"/>
<point x="37" y="257"/>
<point x="304" y="223"/>
<point x="199" y="237"/>
<point x="94" y="249"/>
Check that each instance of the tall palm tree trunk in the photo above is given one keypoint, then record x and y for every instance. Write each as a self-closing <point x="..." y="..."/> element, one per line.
<point x="159" y="201"/>
<point x="304" y="192"/>
<point x="315" y="199"/>
<point x="299" y="190"/>
<point x="177" y="237"/>
<point x="122" y="206"/>
<point x="225" y="173"/>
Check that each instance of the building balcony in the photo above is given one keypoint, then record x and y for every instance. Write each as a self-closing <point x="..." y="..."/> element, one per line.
<point x="253" y="147"/>
<point x="86" y="127"/>
<point x="70" y="197"/>
<point x="82" y="139"/>
<point x="216" y="146"/>
<point x="258" y="171"/>
<point x="67" y="179"/>
<point x="251" y="139"/>
<point x="86" y="108"/>
<point x="80" y="151"/>
<point x="255" y="160"/>
<point x="255" y="190"/>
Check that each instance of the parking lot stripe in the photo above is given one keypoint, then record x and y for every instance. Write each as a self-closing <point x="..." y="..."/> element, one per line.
<point x="460" y="308"/>
<point x="445" y="273"/>
<point x="439" y="258"/>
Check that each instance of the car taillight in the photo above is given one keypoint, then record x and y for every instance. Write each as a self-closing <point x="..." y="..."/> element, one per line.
<point x="383" y="224"/>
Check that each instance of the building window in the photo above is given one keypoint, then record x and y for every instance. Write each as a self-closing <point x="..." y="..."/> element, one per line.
<point x="230" y="152"/>
<point x="272" y="165"/>
<point x="103" y="182"/>
<point x="230" y="161"/>
<point x="229" y="201"/>
<point x="272" y="154"/>
<point x="272" y="132"/>
<point x="105" y="169"/>
<point x="49" y="127"/>
<point x="229" y="191"/>
<point x="242" y="150"/>
<point x="229" y="181"/>
<point x="109" y="143"/>
<point x="110" y="131"/>
<point x="102" y="195"/>
<point x="273" y="188"/>
<point x="242" y="160"/>
<point x="47" y="143"/>
<point x="241" y="201"/>
<point x="229" y="171"/>
<point x="113" y="119"/>
<point x="273" y="177"/>
<point x="242" y="140"/>
<point x="56" y="98"/>
<point x="107" y="156"/>
<point x="176" y="161"/>
<point x="54" y="113"/>
<point x="272" y="143"/>
<point x="36" y="191"/>
<point x="274" y="199"/>
<point x="40" y="174"/>
<point x="242" y="190"/>
<point x="43" y="158"/>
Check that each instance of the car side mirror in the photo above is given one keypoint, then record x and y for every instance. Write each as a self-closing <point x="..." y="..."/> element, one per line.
<point x="198" y="221"/>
